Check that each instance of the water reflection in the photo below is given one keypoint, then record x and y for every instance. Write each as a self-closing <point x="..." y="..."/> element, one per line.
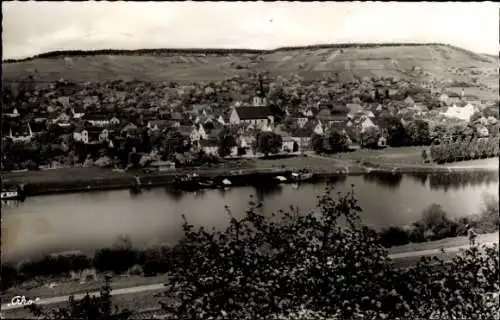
<point x="384" y="179"/>
<point x="340" y="179"/>
<point x="155" y="215"/>
<point x="173" y="193"/>
<point x="454" y="180"/>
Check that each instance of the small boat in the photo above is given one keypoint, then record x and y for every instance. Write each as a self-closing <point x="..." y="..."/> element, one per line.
<point x="188" y="182"/>
<point x="9" y="195"/>
<point x="302" y="176"/>
<point x="226" y="183"/>
<point x="280" y="179"/>
<point x="206" y="184"/>
<point x="13" y="194"/>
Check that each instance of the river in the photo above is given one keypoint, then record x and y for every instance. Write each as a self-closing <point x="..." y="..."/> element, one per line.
<point x="87" y="221"/>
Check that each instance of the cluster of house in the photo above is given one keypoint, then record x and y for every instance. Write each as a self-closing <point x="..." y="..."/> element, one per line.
<point x="201" y="124"/>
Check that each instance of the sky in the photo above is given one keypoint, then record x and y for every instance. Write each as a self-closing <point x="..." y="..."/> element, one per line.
<point x="31" y="28"/>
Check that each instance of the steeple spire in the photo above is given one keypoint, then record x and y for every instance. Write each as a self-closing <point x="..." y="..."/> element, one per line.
<point x="261" y="86"/>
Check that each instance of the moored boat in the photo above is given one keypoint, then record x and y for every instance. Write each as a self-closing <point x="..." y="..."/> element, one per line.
<point x="187" y="182"/>
<point x="302" y="176"/>
<point x="226" y="183"/>
<point x="13" y="194"/>
<point x="9" y="195"/>
<point x="280" y="179"/>
<point x="206" y="184"/>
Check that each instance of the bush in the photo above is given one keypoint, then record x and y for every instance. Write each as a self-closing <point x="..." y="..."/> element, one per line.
<point x="9" y="276"/>
<point x="394" y="236"/>
<point x="327" y="263"/>
<point x="117" y="259"/>
<point x="155" y="260"/>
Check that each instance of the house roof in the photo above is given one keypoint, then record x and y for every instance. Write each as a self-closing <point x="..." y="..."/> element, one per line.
<point x="209" y="143"/>
<point x="129" y="127"/>
<point x="306" y="131"/>
<point x="214" y="133"/>
<point x="296" y="114"/>
<point x="96" y="117"/>
<point x="453" y="95"/>
<point x="176" y="116"/>
<point x="248" y="113"/>
<point x="339" y="109"/>
<point x="327" y="115"/>
<point x="185" y="129"/>
<point x="354" y="108"/>
<point x="159" y="123"/>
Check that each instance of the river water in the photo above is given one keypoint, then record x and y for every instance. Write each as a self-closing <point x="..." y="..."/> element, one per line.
<point x="86" y="221"/>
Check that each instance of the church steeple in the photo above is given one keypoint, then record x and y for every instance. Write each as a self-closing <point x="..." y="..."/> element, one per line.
<point x="261" y="86"/>
<point x="259" y="99"/>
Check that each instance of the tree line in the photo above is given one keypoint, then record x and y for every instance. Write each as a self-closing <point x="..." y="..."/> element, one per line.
<point x="210" y="51"/>
<point x="465" y="149"/>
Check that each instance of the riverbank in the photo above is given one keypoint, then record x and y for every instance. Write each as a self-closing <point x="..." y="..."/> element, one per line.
<point x="71" y="180"/>
<point x="402" y="256"/>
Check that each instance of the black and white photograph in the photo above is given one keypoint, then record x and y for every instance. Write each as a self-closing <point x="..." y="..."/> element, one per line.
<point x="251" y="160"/>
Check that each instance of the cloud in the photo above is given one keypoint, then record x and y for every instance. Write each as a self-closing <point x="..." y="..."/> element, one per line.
<point x="35" y="27"/>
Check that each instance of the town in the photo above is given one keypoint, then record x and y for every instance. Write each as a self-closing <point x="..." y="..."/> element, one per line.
<point x="123" y="124"/>
<point x="250" y="160"/>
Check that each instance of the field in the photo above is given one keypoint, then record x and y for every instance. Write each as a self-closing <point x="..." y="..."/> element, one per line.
<point x="311" y="162"/>
<point x="311" y="63"/>
<point x="387" y="156"/>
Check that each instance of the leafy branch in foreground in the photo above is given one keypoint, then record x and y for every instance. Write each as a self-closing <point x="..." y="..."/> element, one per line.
<point x="325" y="262"/>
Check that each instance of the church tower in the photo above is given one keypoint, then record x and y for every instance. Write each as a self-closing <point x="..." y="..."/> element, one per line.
<point x="260" y="98"/>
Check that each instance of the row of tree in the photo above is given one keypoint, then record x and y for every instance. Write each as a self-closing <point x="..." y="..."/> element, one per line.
<point x="466" y="149"/>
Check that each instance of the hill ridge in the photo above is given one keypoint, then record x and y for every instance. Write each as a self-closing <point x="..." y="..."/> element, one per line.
<point x="433" y="63"/>
<point x="360" y="45"/>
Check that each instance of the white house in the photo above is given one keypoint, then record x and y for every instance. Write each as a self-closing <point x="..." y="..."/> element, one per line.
<point x="81" y="135"/>
<point x="21" y="134"/>
<point x="114" y="121"/>
<point x="12" y="114"/>
<point x="98" y="120"/>
<point x="221" y="120"/>
<point x="462" y="113"/>
<point x="318" y="129"/>
<point x="366" y="123"/>
<point x="77" y="112"/>
<point x="266" y="128"/>
<point x="289" y="145"/>
<point x="482" y="131"/>
<point x="194" y="133"/>
<point x="157" y="125"/>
